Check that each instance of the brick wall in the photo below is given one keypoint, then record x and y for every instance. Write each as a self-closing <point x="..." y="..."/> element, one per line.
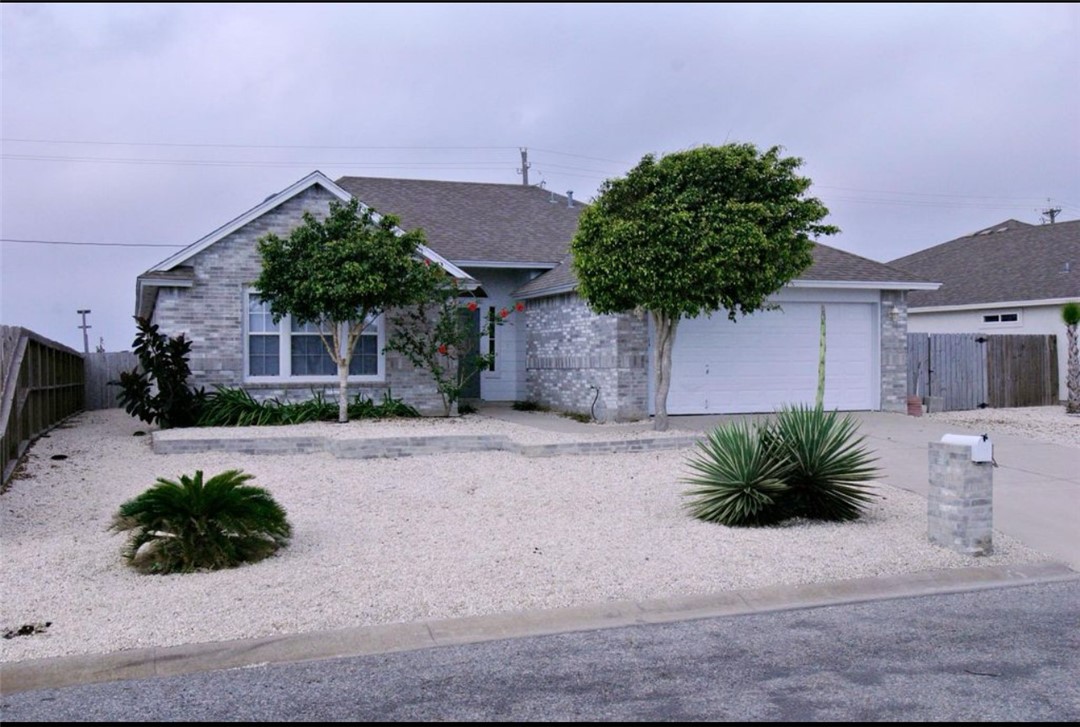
<point x="578" y="361"/>
<point x="211" y="315"/>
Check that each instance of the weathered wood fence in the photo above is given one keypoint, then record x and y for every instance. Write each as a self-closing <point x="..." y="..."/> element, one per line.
<point x="101" y="368"/>
<point x="973" y="370"/>
<point x="43" y="383"/>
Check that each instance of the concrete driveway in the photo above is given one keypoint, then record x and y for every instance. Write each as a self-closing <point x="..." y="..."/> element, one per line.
<point x="1036" y="484"/>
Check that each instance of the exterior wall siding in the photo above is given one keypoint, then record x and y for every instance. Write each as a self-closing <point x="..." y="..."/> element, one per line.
<point x="211" y="315"/>
<point x="578" y="361"/>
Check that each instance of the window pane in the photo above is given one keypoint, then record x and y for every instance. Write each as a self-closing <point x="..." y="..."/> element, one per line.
<point x="260" y="319"/>
<point x="1008" y="317"/>
<point x="263" y="356"/>
<point x="309" y="357"/>
<point x="365" y="359"/>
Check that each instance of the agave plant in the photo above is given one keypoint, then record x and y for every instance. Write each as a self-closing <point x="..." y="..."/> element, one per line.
<point x="189" y="525"/>
<point x="738" y="480"/>
<point x="825" y="463"/>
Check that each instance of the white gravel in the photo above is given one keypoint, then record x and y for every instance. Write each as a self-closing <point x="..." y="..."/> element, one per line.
<point x="1044" y="423"/>
<point x="401" y="540"/>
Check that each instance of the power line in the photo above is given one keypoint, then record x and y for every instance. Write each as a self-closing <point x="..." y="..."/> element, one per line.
<point x="94" y="244"/>
<point x="477" y="166"/>
<point x="251" y="146"/>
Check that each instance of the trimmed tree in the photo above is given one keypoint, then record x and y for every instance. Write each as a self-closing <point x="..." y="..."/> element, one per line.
<point x="341" y="273"/>
<point x="1070" y="314"/>
<point x="697" y="231"/>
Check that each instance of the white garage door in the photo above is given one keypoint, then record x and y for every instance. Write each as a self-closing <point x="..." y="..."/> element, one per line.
<point x="770" y="358"/>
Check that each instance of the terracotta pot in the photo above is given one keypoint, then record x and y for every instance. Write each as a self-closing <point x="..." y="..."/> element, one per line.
<point x="914" y="406"/>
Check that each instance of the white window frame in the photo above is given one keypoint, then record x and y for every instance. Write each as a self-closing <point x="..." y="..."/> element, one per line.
<point x="997" y="315"/>
<point x="284" y="334"/>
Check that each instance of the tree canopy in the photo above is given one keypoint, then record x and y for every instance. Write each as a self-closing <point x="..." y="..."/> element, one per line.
<point x="707" y="229"/>
<point x="341" y="273"/>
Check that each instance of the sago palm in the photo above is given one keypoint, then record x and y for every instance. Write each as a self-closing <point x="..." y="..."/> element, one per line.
<point x="188" y="525"/>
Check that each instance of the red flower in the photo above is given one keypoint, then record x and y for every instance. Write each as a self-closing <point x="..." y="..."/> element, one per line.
<point x="519" y="306"/>
<point x="504" y="313"/>
<point x="427" y="262"/>
<point x="473" y="305"/>
<point x="442" y="349"/>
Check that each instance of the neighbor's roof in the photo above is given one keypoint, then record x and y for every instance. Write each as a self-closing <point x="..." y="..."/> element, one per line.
<point x="1009" y="262"/>
<point x="831" y="266"/>
<point x="474" y="222"/>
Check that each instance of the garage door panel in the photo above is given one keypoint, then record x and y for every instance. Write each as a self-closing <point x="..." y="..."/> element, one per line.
<point x="770" y="358"/>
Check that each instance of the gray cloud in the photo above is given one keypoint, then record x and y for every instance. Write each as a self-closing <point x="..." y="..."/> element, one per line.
<point x="918" y="123"/>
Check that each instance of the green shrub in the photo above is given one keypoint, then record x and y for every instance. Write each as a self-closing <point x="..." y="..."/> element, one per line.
<point x="228" y="406"/>
<point x="826" y="465"/>
<point x="190" y="525"/>
<point x="528" y="406"/>
<point x="157" y="389"/>
<point x="577" y="416"/>
<point x="805" y="462"/>
<point x="738" y="480"/>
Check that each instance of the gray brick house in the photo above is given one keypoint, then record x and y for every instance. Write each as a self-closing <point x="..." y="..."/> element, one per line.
<point x="512" y="240"/>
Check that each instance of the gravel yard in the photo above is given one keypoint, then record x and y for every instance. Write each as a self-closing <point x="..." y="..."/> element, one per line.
<point x="399" y="540"/>
<point x="1045" y="423"/>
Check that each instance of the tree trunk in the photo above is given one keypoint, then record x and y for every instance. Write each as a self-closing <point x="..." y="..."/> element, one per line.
<point x="665" y="339"/>
<point x="343" y="390"/>
<point x="1072" y="383"/>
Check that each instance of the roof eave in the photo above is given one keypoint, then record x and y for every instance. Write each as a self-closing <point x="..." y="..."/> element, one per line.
<point x="864" y="284"/>
<point x="994" y="304"/>
<point x="255" y="212"/>
<point x="545" y="292"/>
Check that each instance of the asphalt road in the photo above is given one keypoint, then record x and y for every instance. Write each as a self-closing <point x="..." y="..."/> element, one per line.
<point x="1000" y="654"/>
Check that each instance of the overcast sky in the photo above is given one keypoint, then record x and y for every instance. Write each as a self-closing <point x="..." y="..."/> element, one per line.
<point x="131" y="126"/>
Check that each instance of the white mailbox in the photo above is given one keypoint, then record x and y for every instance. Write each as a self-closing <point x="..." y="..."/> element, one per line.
<point x="982" y="450"/>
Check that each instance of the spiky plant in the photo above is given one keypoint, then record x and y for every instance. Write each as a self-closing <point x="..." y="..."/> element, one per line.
<point x="1070" y="316"/>
<point x="189" y="525"/>
<point x="825" y="463"/>
<point x="738" y="478"/>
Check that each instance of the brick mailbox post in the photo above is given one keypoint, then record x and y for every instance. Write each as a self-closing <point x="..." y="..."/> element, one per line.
<point x="960" y="502"/>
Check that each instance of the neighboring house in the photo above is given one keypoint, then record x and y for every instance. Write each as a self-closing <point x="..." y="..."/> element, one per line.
<point x="1009" y="278"/>
<point x="513" y="241"/>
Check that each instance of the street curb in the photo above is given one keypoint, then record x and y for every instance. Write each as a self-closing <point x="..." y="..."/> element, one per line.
<point x="69" y="671"/>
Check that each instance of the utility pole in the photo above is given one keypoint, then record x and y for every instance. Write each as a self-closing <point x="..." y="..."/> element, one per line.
<point x="1051" y="212"/>
<point x="84" y="327"/>
<point x="524" y="171"/>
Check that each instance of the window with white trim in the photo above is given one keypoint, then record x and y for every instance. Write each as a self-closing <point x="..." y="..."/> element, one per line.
<point x="288" y="351"/>
<point x="1002" y="318"/>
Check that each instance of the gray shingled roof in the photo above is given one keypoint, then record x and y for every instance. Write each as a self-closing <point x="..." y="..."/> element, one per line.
<point x="830" y="265"/>
<point x="473" y="221"/>
<point x="1012" y="261"/>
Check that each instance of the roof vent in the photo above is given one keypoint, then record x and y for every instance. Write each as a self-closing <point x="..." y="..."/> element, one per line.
<point x="569" y="198"/>
<point x="553" y="200"/>
<point x="1067" y="267"/>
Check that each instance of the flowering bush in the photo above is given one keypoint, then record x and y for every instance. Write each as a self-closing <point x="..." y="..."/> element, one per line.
<point x="442" y="337"/>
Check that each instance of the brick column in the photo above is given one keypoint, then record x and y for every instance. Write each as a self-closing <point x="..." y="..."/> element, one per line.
<point x="961" y="514"/>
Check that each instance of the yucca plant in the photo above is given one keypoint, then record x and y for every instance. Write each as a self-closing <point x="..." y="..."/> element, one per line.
<point x="738" y="478"/>
<point x="189" y="525"/>
<point x="824" y="462"/>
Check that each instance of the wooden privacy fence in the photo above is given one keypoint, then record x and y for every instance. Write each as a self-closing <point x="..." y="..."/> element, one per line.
<point x="975" y="370"/>
<point x="101" y="368"/>
<point x="43" y="383"/>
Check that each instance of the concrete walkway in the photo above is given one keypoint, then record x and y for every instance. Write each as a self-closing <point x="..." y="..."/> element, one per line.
<point x="1036" y="500"/>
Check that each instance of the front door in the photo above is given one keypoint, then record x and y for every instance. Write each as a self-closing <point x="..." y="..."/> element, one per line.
<point x="469" y="371"/>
